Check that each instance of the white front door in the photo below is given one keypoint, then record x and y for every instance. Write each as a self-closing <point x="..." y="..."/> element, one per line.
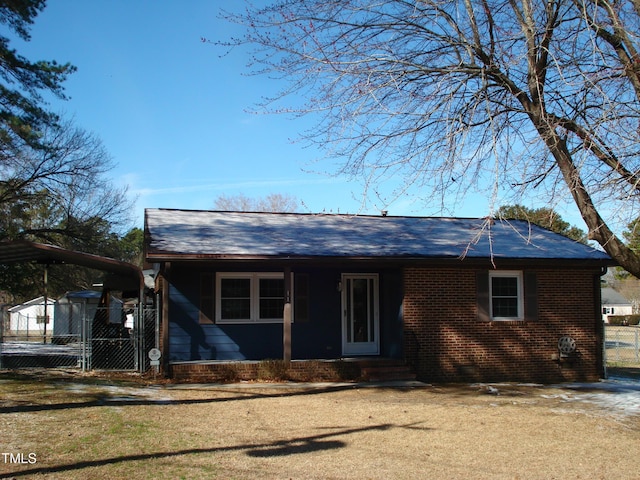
<point x="360" y="316"/>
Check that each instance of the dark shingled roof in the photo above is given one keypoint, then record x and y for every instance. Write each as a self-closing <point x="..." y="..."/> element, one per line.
<point x="175" y="234"/>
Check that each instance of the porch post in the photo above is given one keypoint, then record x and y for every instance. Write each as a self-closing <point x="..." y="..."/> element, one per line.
<point x="286" y="317"/>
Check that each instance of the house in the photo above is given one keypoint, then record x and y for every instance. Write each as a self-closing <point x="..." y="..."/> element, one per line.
<point x="28" y="320"/>
<point x="453" y="299"/>
<point x="613" y="304"/>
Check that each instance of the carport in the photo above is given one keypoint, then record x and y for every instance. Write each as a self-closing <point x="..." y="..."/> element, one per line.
<point x="120" y="276"/>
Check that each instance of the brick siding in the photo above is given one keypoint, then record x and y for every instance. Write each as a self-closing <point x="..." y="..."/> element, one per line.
<point x="298" y="370"/>
<point x="446" y="341"/>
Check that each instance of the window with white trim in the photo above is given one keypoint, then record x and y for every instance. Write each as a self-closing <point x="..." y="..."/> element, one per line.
<point x="506" y="295"/>
<point x="243" y="297"/>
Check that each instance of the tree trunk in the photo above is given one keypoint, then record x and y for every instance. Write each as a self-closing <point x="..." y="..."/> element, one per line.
<point x="598" y="229"/>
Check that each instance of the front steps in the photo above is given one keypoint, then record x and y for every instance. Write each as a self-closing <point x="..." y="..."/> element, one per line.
<point x="386" y="371"/>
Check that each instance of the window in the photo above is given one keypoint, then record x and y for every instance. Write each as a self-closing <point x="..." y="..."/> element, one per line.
<point x="271" y="297"/>
<point x="249" y="297"/>
<point x="506" y="295"/>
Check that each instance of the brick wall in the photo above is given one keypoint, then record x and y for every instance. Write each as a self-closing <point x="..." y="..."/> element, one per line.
<point x="446" y="341"/>
<point x="267" y="370"/>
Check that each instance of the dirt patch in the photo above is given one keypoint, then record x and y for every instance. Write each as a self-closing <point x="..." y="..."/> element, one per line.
<point x="93" y="427"/>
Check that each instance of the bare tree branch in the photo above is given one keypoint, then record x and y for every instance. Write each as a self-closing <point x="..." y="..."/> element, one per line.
<point x="70" y="178"/>
<point x="450" y="96"/>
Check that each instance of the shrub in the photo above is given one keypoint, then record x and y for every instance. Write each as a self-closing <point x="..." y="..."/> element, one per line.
<point x="624" y="320"/>
<point x="275" y="370"/>
<point x="228" y="373"/>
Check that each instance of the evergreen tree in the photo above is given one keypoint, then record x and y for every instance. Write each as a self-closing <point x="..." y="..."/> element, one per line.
<point x="23" y="115"/>
<point x="543" y="217"/>
<point x="632" y="235"/>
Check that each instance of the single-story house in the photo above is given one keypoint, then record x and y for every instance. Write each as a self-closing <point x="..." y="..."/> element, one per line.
<point x="28" y="319"/>
<point x="453" y="299"/>
<point x="613" y="304"/>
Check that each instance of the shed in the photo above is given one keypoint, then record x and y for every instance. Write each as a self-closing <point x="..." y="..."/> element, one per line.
<point x="27" y="320"/>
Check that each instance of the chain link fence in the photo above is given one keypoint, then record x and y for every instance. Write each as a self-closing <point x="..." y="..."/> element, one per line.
<point x="622" y="344"/>
<point x="77" y="334"/>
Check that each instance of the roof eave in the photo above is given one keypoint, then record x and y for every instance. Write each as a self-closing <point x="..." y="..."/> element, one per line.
<point x="396" y="259"/>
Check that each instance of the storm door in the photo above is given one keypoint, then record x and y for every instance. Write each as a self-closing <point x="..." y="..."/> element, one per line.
<point x="360" y="317"/>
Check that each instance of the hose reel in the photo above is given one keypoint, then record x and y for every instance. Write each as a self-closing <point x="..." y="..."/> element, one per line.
<point x="566" y="346"/>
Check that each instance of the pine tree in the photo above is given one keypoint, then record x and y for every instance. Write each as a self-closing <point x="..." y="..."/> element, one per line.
<point x="23" y="113"/>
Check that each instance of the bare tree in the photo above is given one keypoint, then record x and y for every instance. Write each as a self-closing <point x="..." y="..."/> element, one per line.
<point x="274" y="202"/>
<point x="516" y="95"/>
<point x="62" y="190"/>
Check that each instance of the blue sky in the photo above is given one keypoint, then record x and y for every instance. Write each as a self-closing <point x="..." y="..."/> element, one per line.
<point x="173" y="113"/>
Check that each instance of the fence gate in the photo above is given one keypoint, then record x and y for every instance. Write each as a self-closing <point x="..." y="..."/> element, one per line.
<point x="78" y="335"/>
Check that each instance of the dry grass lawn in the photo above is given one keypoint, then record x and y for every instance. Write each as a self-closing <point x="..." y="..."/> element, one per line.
<point x="83" y="427"/>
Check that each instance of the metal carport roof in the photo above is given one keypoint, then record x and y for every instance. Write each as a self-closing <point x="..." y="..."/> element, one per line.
<point x="123" y="276"/>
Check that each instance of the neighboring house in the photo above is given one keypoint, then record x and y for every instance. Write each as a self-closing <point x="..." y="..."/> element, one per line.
<point x="28" y="319"/>
<point x="613" y="304"/>
<point x="454" y="299"/>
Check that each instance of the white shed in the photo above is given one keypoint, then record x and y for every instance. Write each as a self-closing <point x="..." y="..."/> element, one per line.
<point x="28" y="319"/>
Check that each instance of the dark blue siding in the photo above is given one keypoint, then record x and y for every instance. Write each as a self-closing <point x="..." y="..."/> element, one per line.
<point x="391" y="329"/>
<point x="187" y="338"/>
<point x="318" y="337"/>
<point x="321" y="336"/>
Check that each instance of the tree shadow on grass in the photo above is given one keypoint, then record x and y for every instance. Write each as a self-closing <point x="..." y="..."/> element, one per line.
<point x="295" y="446"/>
<point x="102" y="400"/>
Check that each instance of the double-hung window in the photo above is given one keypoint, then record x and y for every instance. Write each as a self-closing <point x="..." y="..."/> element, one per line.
<point x="506" y="294"/>
<point x="249" y="297"/>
